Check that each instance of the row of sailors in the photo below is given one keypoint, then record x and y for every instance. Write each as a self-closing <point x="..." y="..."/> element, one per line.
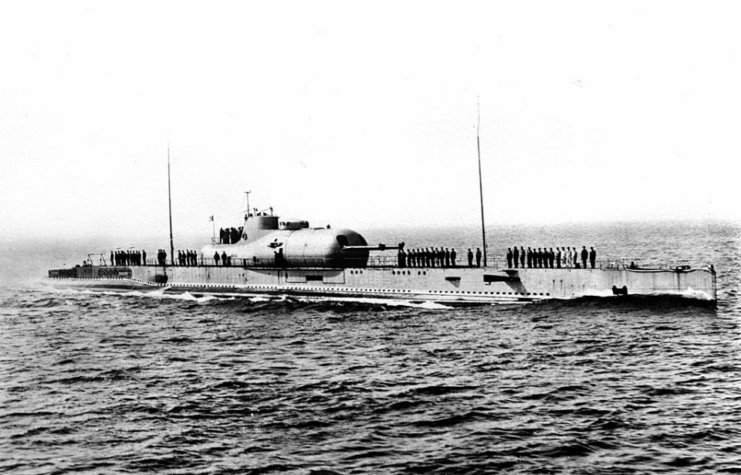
<point x="188" y="257"/>
<point x="230" y="235"/>
<point x="538" y="258"/>
<point x="128" y="258"/>
<point x="185" y="258"/>
<point x="225" y="260"/>
<point x="138" y="258"/>
<point x="434" y="257"/>
<point x="162" y="257"/>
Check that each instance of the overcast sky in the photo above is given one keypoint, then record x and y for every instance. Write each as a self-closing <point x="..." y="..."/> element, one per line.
<point x="364" y="114"/>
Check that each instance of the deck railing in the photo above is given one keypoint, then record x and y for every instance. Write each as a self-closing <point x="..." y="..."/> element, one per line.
<point x="392" y="262"/>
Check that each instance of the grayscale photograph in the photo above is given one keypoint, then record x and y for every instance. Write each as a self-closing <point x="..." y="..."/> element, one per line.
<point x="328" y="238"/>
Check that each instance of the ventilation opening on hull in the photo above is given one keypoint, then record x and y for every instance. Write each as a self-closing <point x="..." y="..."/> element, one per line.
<point x="489" y="278"/>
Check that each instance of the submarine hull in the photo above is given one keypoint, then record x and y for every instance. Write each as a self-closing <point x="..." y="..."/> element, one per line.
<point x="469" y="285"/>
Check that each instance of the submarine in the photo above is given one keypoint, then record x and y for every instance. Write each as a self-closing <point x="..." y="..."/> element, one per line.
<point x="286" y="257"/>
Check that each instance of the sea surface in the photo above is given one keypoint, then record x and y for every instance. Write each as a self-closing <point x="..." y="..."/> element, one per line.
<point x="143" y="383"/>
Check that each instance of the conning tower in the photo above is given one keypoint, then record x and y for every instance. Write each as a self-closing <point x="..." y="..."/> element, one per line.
<point x="268" y="240"/>
<point x="257" y="226"/>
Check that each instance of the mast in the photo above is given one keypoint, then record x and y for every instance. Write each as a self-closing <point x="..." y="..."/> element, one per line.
<point x="169" y="202"/>
<point x="481" y="186"/>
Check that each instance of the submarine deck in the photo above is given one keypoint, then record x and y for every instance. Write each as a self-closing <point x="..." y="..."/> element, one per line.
<point x="427" y="283"/>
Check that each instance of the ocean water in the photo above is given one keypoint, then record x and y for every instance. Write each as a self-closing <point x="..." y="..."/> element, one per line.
<point x="140" y="383"/>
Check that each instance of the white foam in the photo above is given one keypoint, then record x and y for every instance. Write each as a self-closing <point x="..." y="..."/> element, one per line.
<point x="375" y="301"/>
<point x="188" y="297"/>
<point x="259" y="299"/>
<point x="597" y="293"/>
<point x="690" y="293"/>
<point x="159" y="293"/>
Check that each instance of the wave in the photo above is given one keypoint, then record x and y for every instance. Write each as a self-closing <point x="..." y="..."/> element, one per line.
<point x="687" y="294"/>
<point x="163" y="294"/>
<point x="653" y="301"/>
<point x="429" y="305"/>
<point x="159" y="293"/>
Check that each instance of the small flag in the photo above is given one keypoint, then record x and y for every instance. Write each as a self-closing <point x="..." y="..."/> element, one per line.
<point x="211" y="218"/>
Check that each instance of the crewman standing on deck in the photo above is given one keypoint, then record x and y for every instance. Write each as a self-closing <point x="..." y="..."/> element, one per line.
<point x="592" y="257"/>
<point x="509" y="257"/>
<point x="470" y="258"/>
<point x="584" y="255"/>
<point x="516" y="255"/>
<point x="522" y="257"/>
<point x="478" y="257"/>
